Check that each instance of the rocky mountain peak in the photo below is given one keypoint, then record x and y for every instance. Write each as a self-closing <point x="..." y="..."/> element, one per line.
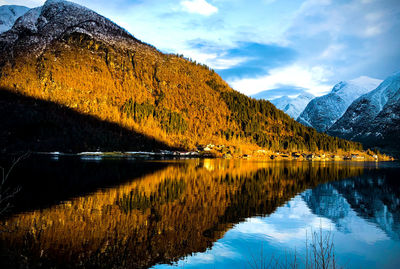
<point x="52" y="2"/>
<point x="27" y="22"/>
<point x="57" y="18"/>
<point x="322" y="112"/>
<point x="339" y="86"/>
<point x="373" y="118"/>
<point x="306" y="95"/>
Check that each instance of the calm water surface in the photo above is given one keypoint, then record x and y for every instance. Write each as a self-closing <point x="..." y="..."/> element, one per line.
<point x="73" y="212"/>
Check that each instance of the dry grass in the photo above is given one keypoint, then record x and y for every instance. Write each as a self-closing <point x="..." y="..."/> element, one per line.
<point x="7" y="193"/>
<point x="319" y="254"/>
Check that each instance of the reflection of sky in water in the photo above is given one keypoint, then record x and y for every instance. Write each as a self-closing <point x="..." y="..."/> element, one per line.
<point x="358" y="242"/>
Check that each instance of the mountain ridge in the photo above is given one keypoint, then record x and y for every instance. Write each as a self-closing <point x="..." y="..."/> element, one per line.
<point x="57" y="18"/>
<point x="373" y="118"/>
<point x="322" y="112"/>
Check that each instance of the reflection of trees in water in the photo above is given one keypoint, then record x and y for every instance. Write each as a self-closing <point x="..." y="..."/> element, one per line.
<point x="167" y="191"/>
<point x="163" y="216"/>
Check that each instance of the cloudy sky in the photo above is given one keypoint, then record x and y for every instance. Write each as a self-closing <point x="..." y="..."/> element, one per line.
<point x="260" y="45"/>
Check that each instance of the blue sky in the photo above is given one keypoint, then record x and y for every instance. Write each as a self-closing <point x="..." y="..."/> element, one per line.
<point x="267" y="44"/>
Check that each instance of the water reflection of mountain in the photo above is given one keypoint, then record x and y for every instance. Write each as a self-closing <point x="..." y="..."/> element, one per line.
<point x="47" y="181"/>
<point x="161" y="216"/>
<point x="373" y="196"/>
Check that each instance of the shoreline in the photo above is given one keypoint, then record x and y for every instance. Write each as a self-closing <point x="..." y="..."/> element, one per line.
<point x="261" y="155"/>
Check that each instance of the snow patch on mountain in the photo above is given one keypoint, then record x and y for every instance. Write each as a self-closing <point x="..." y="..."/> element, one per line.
<point x="375" y="114"/>
<point x="9" y="14"/>
<point x="322" y="112"/>
<point x="293" y="106"/>
<point x="56" y="19"/>
<point x="28" y="21"/>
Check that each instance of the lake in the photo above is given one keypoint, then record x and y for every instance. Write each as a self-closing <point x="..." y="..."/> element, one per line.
<point x="200" y="213"/>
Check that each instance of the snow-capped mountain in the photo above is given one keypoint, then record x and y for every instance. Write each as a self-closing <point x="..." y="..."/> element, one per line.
<point x="293" y="106"/>
<point x="58" y="18"/>
<point x="9" y="14"/>
<point x="322" y="112"/>
<point x="374" y="116"/>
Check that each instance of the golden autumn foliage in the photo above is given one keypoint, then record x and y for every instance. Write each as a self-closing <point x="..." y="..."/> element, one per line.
<point x="96" y="79"/>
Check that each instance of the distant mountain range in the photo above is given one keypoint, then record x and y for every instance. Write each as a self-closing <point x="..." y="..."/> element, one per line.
<point x="323" y="111"/>
<point x="65" y="68"/>
<point x="364" y="109"/>
<point x="293" y="106"/>
<point x="373" y="118"/>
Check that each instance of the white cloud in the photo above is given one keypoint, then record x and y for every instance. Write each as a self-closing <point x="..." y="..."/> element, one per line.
<point x="374" y="16"/>
<point x="218" y="251"/>
<point x="288" y="224"/>
<point x="373" y="30"/>
<point x="201" y="7"/>
<point x="351" y="37"/>
<point x="213" y="60"/>
<point x="338" y="20"/>
<point x="225" y="63"/>
<point x="332" y="52"/>
<point x="314" y="79"/>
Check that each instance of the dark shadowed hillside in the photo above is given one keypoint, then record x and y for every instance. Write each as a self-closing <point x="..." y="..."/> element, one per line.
<point x="38" y="125"/>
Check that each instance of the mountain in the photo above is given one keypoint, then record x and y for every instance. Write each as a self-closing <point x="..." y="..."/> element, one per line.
<point x="323" y="111"/>
<point x="9" y="14"/>
<point x="374" y="118"/>
<point x="81" y="62"/>
<point x="293" y="106"/>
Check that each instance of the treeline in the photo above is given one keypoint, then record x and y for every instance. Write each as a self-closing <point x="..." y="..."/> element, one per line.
<point x="271" y="128"/>
<point x="170" y="121"/>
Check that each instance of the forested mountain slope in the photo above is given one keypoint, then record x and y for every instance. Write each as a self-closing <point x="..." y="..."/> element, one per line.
<point x="71" y="56"/>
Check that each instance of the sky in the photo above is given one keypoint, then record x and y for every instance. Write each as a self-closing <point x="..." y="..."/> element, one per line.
<point x="274" y="45"/>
